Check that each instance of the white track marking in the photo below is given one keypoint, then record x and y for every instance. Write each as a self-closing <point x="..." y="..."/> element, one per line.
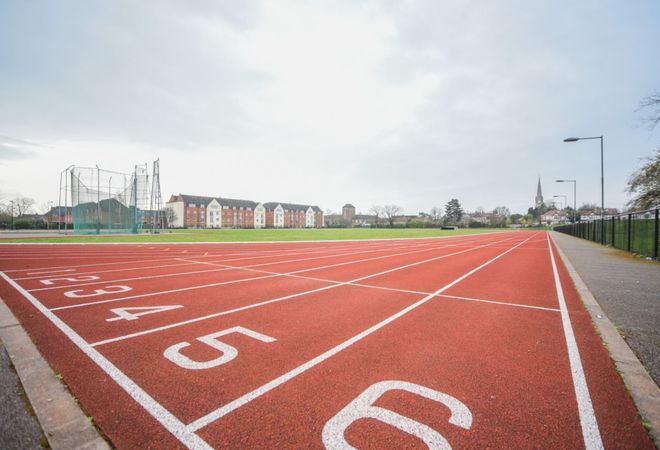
<point x="259" y="304"/>
<point x="224" y="268"/>
<point x="242" y="280"/>
<point x="362" y="407"/>
<point x="50" y="272"/>
<point x="590" y="431"/>
<point x="227" y="352"/>
<point x="403" y="241"/>
<point x="289" y="253"/>
<point x="155" y="409"/>
<point x="80" y="293"/>
<point x="125" y="314"/>
<point x="256" y="393"/>
<point x="371" y="286"/>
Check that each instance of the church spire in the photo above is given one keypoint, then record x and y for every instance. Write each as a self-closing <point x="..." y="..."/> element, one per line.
<point x="538" y="201"/>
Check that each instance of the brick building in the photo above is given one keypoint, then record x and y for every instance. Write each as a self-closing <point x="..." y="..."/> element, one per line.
<point x="193" y="211"/>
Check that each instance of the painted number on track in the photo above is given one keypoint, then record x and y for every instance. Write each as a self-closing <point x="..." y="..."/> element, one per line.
<point x="227" y="351"/>
<point x="51" y="281"/>
<point x="363" y="408"/>
<point x="80" y="293"/>
<point x="126" y="314"/>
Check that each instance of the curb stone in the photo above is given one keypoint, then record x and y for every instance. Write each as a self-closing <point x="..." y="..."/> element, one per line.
<point x="61" y="419"/>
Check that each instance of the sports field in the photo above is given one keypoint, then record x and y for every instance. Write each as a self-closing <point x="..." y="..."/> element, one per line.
<point x="466" y="341"/>
<point x="263" y="235"/>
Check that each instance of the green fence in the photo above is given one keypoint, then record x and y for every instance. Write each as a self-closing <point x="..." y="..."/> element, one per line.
<point x="636" y="232"/>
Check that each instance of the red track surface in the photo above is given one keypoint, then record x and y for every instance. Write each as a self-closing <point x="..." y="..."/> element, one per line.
<point x="488" y="328"/>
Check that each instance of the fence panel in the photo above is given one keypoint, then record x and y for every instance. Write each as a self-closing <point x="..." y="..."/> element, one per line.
<point x="636" y="232"/>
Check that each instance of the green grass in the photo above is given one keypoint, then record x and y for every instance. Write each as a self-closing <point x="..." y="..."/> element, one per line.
<point x="264" y="235"/>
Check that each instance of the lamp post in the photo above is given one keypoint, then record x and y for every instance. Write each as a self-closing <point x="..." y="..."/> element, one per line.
<point x="574" y="196"/>
<point x="602" y="182"/>
<point x="565" y="204"/>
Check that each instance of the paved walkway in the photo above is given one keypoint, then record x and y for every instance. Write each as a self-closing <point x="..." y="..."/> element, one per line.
<point x="627" y="289"/>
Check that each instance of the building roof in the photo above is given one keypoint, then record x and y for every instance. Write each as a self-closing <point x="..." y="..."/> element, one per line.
<point x="270" y="206"/>
<point x="234" y="203"/>
<point x="55" y="210"/>
<point x="348" y="205"/>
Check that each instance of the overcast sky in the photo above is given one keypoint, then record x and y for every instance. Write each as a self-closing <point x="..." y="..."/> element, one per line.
<point x="404" y="102"/>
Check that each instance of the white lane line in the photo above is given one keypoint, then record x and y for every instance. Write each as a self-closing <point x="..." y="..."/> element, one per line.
<point x="47" y="272"/>
<point x="191" y="262"/>
<point x="271" y="301"/>
<point x="155" y="409"/>
<point x="590" y="431"/>
<point x="407" y="291"/>
<point x="244" y="399"/>
<point x="332" y="246"/>
<point x="223" y="283"/>
<point x="175" y="258"/>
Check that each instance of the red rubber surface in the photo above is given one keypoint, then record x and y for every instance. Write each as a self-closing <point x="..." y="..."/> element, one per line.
<point x="344" y="316"/>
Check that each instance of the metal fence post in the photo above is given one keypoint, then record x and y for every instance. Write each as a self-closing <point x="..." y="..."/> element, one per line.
<point x="657" y="233"/>
<point x="629" y="232"/>
<point x="613" y="224"/>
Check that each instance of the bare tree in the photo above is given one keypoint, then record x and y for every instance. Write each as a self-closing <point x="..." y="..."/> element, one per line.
<point x="377" y="211"/>
<point x="436" y="213"/>
<point x="390" y="212"/>
<point x="502" y="211"/>
<point x="170" y="216"/>
<point x="22" y="206"/>
<point x="652" y="102"/>
<point x="644" y="184"/>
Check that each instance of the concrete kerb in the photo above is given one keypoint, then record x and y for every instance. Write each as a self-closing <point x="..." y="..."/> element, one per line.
<point x="643" y="390"/>
<point x="61" y="419"/>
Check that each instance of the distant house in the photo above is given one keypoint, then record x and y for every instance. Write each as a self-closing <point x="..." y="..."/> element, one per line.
<point x="589" y="215"/>
<point x="553" y="217"/>
<point x="58" y="214"/>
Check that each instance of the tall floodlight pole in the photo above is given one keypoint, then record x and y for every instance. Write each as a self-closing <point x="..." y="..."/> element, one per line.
<point x="12" y="213"/>
<point x="602" y="182"/>
<point x="574" y="195"/>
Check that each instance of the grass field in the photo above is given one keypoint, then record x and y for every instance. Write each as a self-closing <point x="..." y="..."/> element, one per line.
<point x="210" y="235"/>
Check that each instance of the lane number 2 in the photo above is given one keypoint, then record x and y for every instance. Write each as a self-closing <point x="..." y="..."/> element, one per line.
<point x="363" y="408"/>
<point x="227" y="351"/>
<point x="51" y="281"/>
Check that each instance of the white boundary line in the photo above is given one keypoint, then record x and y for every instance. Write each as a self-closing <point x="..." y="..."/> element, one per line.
<point x="241" y="280"/>
<point x="590" y="431"/>
<point x="218" y="264"/>
<point x="177" y="254"/>
<point x="265" y="302"/>
<point x="155" y="409"/>
<point x="256" y="393"/>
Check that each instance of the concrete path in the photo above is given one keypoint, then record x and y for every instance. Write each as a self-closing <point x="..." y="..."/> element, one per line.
<point x="627" y="289"/>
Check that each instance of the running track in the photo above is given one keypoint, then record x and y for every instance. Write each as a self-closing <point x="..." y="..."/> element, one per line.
<point x="468" y="341"/>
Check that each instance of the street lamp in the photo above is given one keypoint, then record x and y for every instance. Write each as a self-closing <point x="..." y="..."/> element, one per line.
<point x="565" y="204"/>
<point x="574" y="195"/>
<point x="602" y="182"/>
